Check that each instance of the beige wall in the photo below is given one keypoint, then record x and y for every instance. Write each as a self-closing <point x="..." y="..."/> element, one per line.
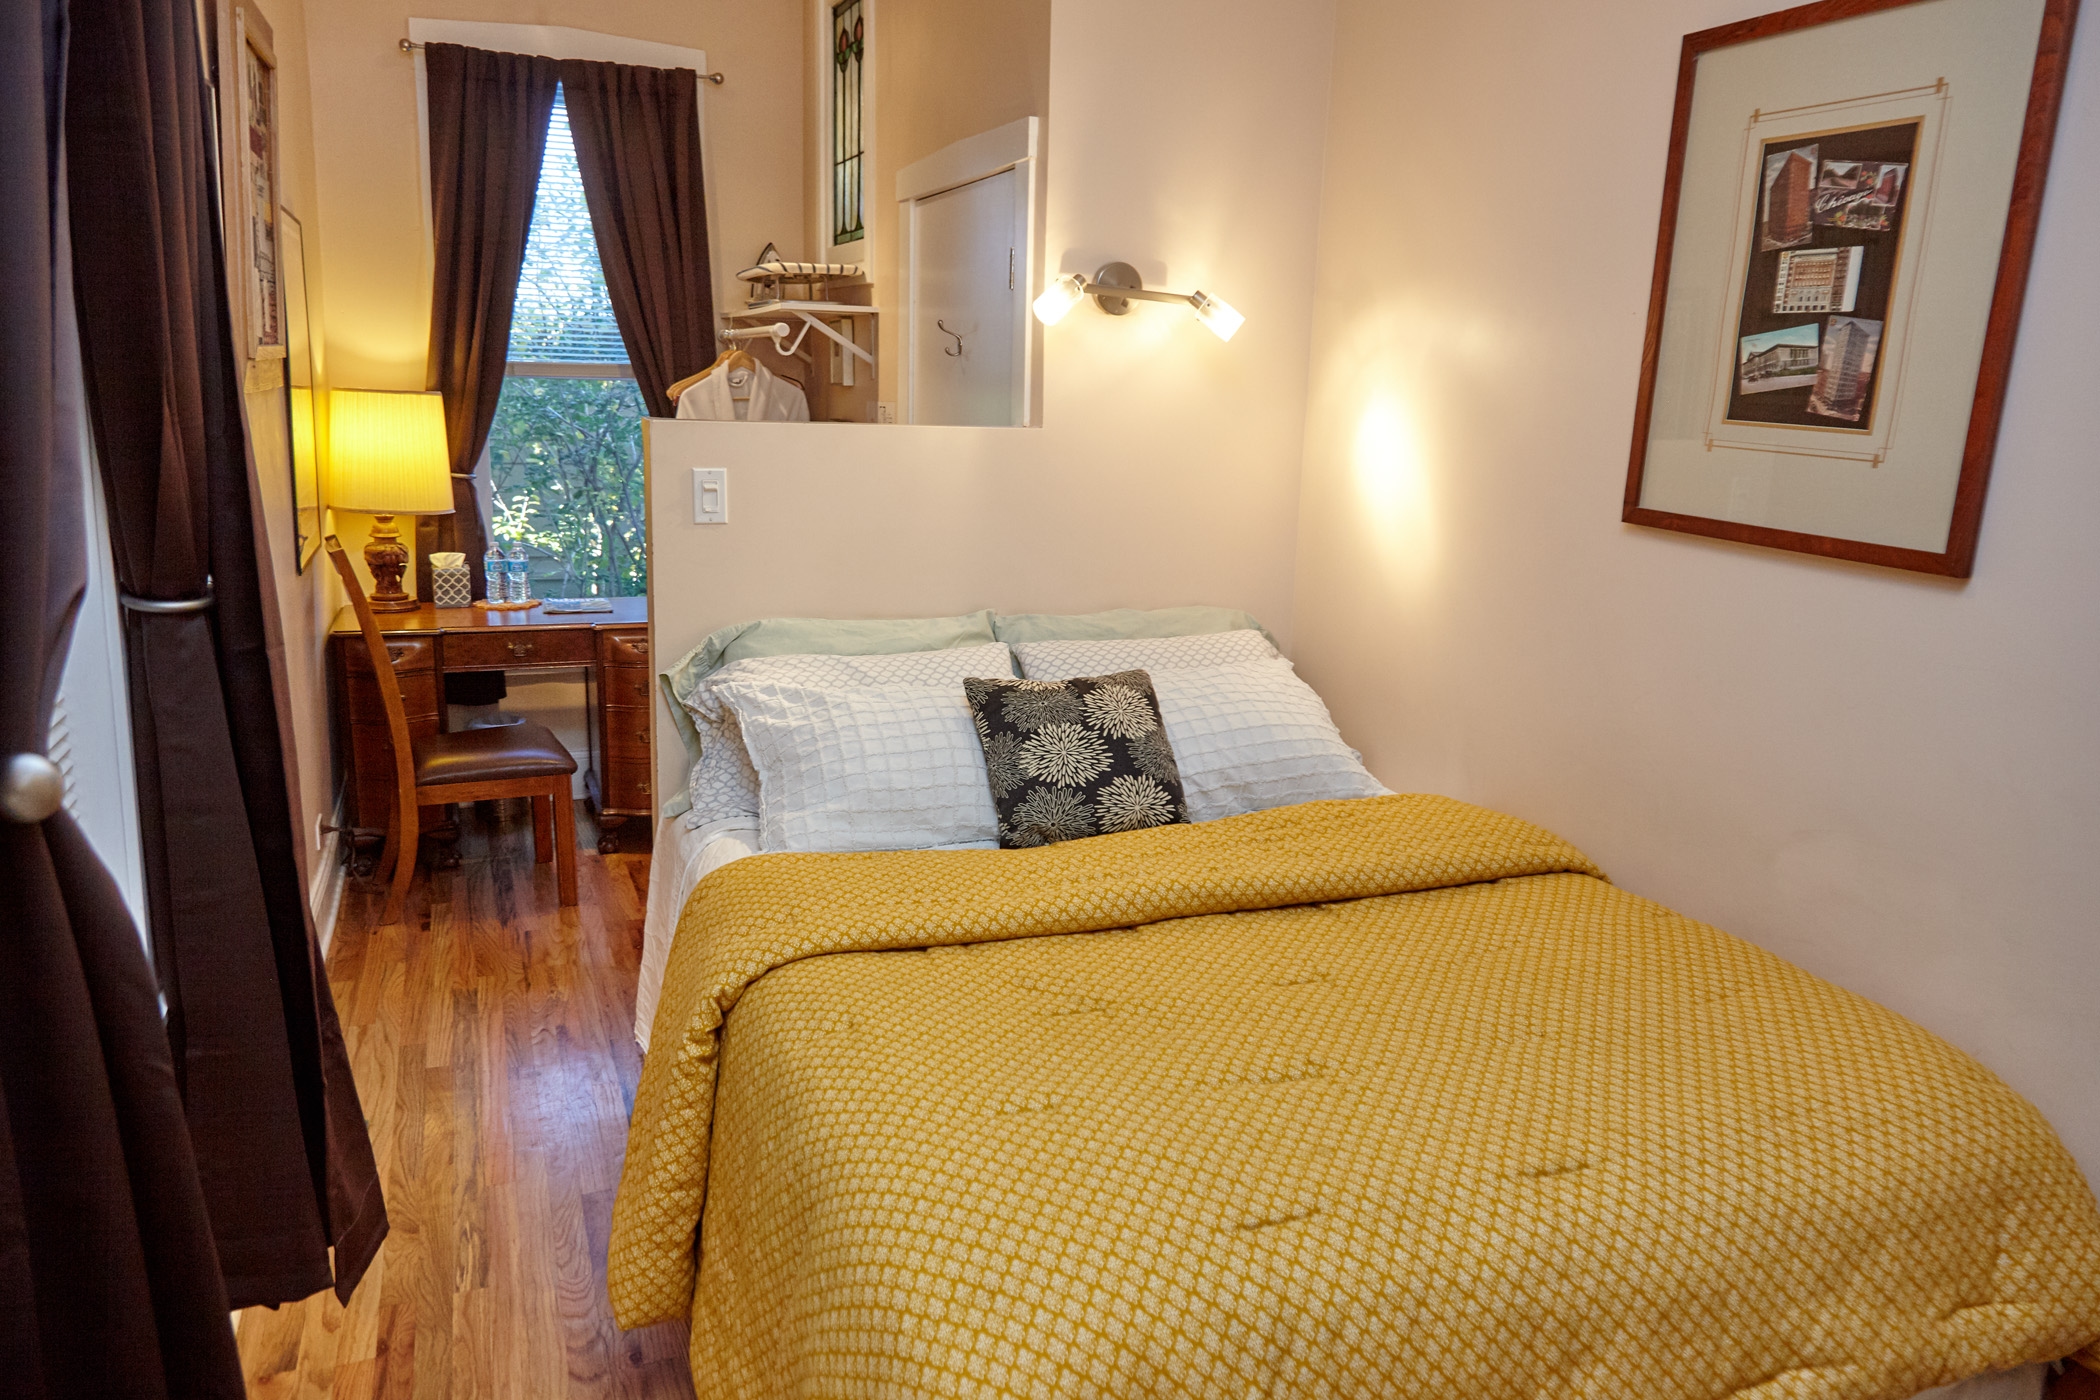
<point x="944" y="70"/>
<point x="1166" y="471"/>
<point x="371" y="179"/>
<point x="306" y="601"/>
<point x="1891" y="780"/>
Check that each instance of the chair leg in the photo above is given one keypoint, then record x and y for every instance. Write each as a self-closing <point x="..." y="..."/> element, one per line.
<point x="409" y="828"/>
<point x="542" y="830"/>
<point x="565" y="843"/>
<point x="383" y="871"/>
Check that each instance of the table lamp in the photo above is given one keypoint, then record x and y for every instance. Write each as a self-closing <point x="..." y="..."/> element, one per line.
<point x="388" y="457"/>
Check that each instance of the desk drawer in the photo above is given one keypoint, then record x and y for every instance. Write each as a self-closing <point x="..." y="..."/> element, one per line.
<point x="419" y="698"/>
<point x="409" y="653"/>
<point x="623" y="789"/>
<point x="627" y="686"/>
<point x="517" y="649"/>
<point x="627" y="648"/>
<point x="626" y="736"/>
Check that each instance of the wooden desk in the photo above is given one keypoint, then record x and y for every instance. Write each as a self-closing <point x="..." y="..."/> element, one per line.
<point x="611" y="648"/>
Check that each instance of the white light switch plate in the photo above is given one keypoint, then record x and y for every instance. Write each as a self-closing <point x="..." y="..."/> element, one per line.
<point x="710" y="495"/>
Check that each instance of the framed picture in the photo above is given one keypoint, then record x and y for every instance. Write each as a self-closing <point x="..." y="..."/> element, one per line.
<point x="1847" y="222"/>
<point x="255" y="190"/>
<point x="300" y="400"/>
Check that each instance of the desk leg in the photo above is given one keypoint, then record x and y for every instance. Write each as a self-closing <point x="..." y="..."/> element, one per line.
<point x="609" y="834"/>
<point x="441" y="830"/>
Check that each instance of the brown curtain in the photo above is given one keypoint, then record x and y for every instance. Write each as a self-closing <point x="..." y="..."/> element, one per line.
<point x="109" y="1283"/>
<point x="280" y="1140"/>
<point x="637" y="133"/>
<point x="488" y="131"/>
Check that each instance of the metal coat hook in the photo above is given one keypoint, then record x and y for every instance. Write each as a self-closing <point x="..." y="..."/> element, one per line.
<point x="957" y="351"/>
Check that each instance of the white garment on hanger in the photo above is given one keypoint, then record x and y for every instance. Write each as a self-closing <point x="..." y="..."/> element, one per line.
<point x="722" y="397"/>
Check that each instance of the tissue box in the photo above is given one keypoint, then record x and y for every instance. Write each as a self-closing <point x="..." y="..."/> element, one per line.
<point x="451" y="586"/>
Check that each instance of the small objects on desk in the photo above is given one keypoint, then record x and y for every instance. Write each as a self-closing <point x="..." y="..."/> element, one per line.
<point x="576" y="605"/>
<point x="518" y="587"/>
<point x="450" y="584"/>
<point x="527" y="606"/>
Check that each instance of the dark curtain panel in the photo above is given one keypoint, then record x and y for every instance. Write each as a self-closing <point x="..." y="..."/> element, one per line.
<point x="280" y="1139"/>
<point x="109" y="1283"/>
<point x="488" y="131"/>
<point x="637" y="133"/>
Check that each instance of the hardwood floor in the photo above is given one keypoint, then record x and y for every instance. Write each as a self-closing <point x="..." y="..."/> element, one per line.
<point x="491" y="1041"/>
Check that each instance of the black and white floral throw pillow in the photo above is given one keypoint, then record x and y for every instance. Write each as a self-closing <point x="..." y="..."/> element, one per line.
<point x="1082" y="757"/>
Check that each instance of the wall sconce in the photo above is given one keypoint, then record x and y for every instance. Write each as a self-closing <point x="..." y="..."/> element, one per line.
<point x="1116" y="285"/>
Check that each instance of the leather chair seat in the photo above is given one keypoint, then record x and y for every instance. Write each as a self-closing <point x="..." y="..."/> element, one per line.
<point x="522" y="750"/>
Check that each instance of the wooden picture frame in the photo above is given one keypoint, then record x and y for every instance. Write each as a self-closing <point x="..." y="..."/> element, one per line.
<point x="1836" y="295"/>
<point x="252" y="180"/>
<point x="305" y="407"/>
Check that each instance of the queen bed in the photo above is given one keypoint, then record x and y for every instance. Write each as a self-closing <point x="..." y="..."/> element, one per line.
<point x="1367" y="1095"/>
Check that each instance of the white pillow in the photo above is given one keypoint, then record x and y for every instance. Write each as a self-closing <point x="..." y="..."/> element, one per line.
<point x="722" y="783"/>
<point x="864" y="768"/>
<point x="1251" y="736"/>
<point x="1060" y="661"/>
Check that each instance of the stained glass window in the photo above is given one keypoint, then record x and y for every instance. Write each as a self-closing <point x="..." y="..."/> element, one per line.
<point x="849" y="47"/>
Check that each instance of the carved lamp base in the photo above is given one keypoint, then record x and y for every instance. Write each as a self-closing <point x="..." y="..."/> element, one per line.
<point x="387" y="558"/>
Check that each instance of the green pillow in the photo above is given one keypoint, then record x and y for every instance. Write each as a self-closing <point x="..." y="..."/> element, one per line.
<point x="1121" y="622"/>
<point x="810" y="636"/>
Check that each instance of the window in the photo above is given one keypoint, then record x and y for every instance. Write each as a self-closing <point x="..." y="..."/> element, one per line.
<point x="849" y="46"/>
<point x="565" y="449"/>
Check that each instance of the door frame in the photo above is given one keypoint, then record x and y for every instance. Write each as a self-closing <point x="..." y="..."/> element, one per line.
<point x="1003" y="148"/>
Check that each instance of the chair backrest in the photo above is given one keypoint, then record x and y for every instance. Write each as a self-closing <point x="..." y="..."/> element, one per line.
<point x="382" y="675"/>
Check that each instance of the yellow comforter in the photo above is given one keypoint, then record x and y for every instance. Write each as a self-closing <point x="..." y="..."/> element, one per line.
<point x="1393" y="1097"/>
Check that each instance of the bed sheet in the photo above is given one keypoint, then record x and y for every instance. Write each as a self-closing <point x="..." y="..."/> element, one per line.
<point x="682" y="859"/>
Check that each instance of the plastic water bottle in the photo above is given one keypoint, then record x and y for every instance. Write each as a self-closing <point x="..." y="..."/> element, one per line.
<point x="494" y="572"/>
<point x="520" y="590"/>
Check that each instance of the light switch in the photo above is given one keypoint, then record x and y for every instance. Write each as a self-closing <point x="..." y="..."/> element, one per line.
<point x="710" y="495"/>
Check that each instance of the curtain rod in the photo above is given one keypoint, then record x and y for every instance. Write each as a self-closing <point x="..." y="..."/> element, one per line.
<point x="410" y="46"/>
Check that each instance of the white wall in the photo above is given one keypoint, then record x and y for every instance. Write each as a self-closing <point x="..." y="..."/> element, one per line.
<point x="1166" y="471"/>
<point x="1891" y="780"/>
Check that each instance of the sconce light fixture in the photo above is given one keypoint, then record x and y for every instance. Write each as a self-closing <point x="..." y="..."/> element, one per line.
<point x="1116" y="285"/>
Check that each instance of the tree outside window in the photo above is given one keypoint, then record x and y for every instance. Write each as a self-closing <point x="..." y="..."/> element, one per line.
<point x="565" y="448"/>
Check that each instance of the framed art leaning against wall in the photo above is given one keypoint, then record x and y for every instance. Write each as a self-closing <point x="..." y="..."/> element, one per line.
<point x="1847" y="221"/>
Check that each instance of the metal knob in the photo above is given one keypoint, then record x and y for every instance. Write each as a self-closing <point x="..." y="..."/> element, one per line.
<point x="521" y="648"/>
<point x="31" y="788"/>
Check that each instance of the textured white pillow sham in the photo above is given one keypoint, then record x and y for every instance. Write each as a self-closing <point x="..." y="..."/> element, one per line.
<point x="1062" y="660"/>
<point x="864" y="768"/>
<point x="1250" y="736"/>
<point x="723" y="784"/>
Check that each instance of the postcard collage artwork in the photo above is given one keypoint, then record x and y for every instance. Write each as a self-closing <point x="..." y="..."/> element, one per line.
<point x="1821" y="277"/>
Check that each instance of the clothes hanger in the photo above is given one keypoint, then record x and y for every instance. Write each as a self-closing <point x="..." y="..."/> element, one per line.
<point x="732" y="358"/>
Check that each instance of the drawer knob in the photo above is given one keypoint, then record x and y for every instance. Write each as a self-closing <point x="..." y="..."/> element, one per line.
<point x="641" y="736"/>
<point x="521" y="648"/>
<point x="645" y="788"/>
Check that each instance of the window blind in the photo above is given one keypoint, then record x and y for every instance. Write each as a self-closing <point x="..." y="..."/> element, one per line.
<point x="563" y="315"/>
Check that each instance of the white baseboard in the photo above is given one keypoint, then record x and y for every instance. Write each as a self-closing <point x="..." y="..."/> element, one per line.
<point x="329" y="877"/>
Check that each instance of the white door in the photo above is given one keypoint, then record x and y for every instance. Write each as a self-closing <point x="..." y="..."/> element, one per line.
<point x="969" y="256"/>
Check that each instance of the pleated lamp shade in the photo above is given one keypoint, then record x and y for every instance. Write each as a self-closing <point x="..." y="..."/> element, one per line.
<point x="387" y="453"/>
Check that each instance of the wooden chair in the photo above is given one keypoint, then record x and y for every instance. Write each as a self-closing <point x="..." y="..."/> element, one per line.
<point x="518" y="760"/>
